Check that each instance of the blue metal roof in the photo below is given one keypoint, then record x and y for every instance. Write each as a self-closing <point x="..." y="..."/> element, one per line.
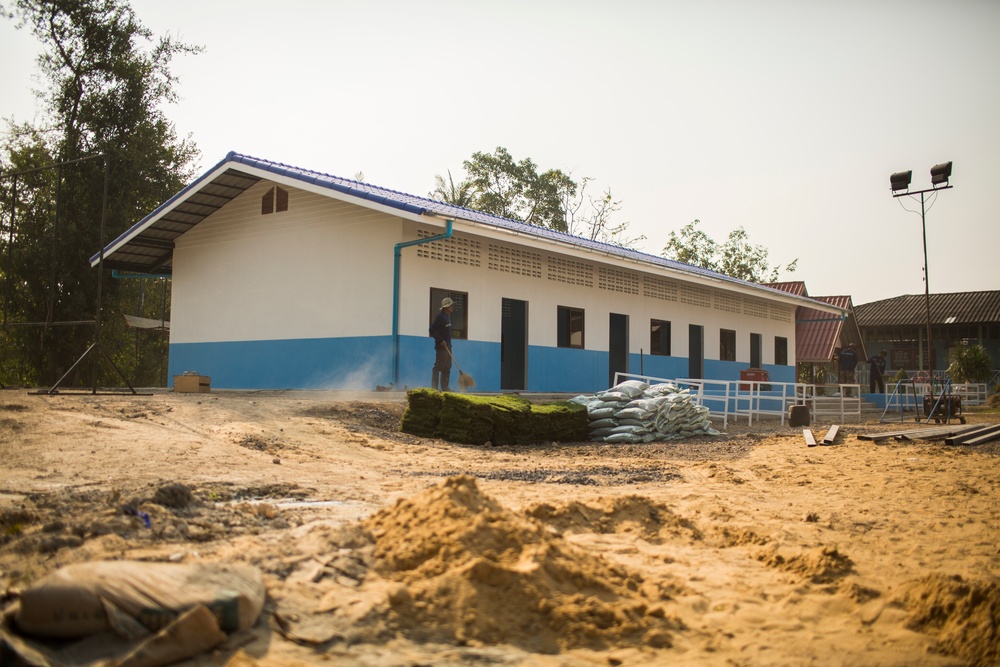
<point x="421" y="205"/>
<point x="148" y="245"/>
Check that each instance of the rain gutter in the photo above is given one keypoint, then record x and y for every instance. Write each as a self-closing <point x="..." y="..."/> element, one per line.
<point x="396" y="255"/>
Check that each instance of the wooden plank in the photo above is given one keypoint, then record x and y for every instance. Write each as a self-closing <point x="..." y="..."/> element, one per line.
<point x="983" y="439"/>
<point x="931" y="432"/>
<point x="888" y="434"/>
<point x="976" y="436"/>
<point x="810" y="438"/>
<point x="967" y="433"/>
<point x="831" y="435"/>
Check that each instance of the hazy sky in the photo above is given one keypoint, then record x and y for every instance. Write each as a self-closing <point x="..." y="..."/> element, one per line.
<point x="783" y="117"/>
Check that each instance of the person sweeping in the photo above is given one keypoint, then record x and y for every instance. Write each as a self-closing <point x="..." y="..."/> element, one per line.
<point x="440" y="331"/>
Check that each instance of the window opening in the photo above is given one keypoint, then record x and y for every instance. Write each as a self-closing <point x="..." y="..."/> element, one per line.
<point x="570" y="327"/>
<point x="659" y="337"/>
<point x="727" y="345"/>
<point x="459" y="316"/>
<point x="780" y="351"/>
<point x="275" y="200"/>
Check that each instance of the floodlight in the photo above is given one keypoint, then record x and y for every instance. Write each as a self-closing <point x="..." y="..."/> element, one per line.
<point x="901" y="180"/>
<point x="940" y="173"/>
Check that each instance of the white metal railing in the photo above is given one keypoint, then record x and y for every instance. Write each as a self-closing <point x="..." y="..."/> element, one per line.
<point x="842" y="402"/>
<point x="972" y="393"/>
<point x="754" y="399"/>
<point x="713" y="400"/>
<point x="901" y="397"/>
<point x="717" y="404"/>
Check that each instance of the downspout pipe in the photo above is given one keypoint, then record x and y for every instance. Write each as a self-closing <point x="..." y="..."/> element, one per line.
<point x="396" y="255"/>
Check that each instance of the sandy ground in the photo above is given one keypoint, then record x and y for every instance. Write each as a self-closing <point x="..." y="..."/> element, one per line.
<point x="380" y="548"/>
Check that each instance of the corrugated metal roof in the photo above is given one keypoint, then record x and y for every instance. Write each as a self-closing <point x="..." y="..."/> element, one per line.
<point x="818" y="334"/>
<point x="147" y="246"/>
<point x="949" y="308"/>
<point x="796" y="287"/>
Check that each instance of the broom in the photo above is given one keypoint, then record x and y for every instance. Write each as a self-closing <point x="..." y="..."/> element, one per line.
<point x="465" y="381"/>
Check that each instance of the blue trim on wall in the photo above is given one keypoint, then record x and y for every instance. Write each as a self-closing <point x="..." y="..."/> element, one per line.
<point x="364" y="362"/>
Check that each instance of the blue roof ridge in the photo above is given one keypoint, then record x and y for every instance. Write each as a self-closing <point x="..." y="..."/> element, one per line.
<point x="446" y="208"/>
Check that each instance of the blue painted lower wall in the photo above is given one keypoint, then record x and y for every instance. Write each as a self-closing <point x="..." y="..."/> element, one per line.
<point x="362" y="363"/>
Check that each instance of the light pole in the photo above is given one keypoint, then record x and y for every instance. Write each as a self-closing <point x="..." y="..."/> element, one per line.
<point x="900" y="185"/>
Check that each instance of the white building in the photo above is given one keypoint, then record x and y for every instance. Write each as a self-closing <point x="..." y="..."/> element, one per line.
<point x="288" y="278"/>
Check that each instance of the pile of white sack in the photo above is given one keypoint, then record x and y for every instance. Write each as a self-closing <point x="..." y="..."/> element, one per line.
<point x="634" y="411"/>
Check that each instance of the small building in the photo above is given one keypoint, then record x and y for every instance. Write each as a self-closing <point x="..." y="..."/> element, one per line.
<point x="819" y="337"/>
<point x="289" y="278"/>
<point x="899" y="326"/>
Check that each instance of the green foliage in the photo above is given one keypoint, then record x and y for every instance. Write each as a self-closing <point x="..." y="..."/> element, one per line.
<point x="516" y="190"/>
<point x="737" y="257"/>
<point x="106" y="83"/>
<point x="499" y="185"/>
<point x="456" y="194"/>
<point x="970" y="364"/>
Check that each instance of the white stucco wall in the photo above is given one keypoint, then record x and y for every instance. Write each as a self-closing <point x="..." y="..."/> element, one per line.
<point x="323" y="268"/>
<point x="490" y="266"/>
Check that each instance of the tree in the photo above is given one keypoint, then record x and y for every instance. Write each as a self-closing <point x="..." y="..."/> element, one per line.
<point x="501" y="186"/>
<point x="970" y="363"/>
<point x="515" y="190"/>
<point x="590" y="217"/>
<point x="451" y="193"/>
<point x="737" y="257"/>
<point x="106" y="81"/>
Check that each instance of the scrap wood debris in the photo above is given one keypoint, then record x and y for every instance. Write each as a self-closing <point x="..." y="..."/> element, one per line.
<point x="828" y="439"/>
<point x="950" y="435"/>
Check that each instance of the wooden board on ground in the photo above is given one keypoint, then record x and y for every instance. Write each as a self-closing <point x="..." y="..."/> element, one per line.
<point x="933" y="432"/>
<point x="831" y="435"/>
<point x="977" y="436"/>
<point x="810" y="438"/>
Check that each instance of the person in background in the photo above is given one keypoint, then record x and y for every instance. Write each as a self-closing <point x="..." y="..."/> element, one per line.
<point x="848" y="364"/>
<point x="440" y="331"/>
<point x="876" y="372"/>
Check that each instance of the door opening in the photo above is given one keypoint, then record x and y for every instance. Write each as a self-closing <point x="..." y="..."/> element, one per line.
<point x="617" y="346"/>
<point x="514" y="345"/>
<point x="696" y="351"/>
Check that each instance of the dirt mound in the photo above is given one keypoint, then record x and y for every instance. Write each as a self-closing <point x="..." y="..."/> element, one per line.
<point x="963" y="615"/>
<point x="475" y="572"/>
<point x="821" y="565"/>
<point x="638" y="515"/>
<point x="175" y="496"/>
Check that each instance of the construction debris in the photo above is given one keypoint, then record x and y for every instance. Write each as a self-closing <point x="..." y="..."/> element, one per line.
<point x="950" y="435"/>
<point x="828" y="439"/>
<point x="976" y="436"/>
